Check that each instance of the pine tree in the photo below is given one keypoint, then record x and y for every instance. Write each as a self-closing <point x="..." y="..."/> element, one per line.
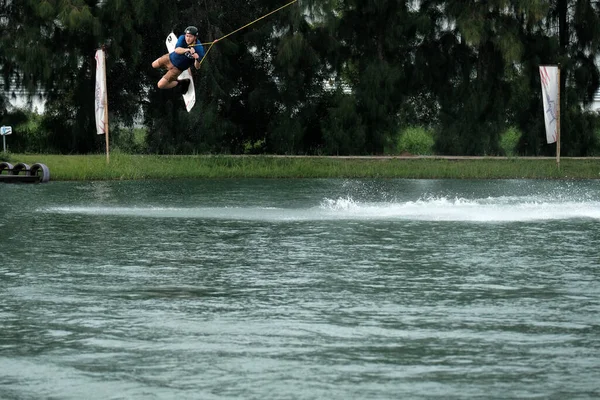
<point x="374" y="40"/>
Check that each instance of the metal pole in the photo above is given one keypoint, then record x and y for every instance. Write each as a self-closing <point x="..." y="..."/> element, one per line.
<point x="106" y="109"/>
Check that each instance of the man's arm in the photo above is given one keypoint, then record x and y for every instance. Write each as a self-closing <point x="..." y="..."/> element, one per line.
<point x="181" y="47"/>
<point x="181" y="50"/>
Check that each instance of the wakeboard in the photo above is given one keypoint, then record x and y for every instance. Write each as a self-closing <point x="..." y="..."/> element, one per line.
<point x="189" y="97"/>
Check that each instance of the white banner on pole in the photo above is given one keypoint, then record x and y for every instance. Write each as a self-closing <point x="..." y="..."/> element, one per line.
<point x="100" y="94"/>
<point x="549" y="79"/>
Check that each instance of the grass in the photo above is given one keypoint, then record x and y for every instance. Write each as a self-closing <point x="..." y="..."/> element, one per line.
<point x="136" y="167"/>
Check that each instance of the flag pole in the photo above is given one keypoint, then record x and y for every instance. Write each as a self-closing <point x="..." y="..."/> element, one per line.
<point x="106" y="110"/>
<point x="106" y="124"/>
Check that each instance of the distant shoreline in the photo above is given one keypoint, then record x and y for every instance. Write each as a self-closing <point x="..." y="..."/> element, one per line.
<point x="403" y="157"/>
<point x="138" y="167"/>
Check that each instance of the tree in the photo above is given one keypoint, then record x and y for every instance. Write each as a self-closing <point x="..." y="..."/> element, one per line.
<point x="328" y="76"/>
<point x="375" y="40"/>
<point x="569" y="35"/>
<point x="51" y="47"/>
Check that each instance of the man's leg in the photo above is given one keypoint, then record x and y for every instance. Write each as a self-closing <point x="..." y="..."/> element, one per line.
<point x="169" y="80"/>
<point x="184" y="84"/>
<point x="162" y="62"/>
<point x="166" y="84"/>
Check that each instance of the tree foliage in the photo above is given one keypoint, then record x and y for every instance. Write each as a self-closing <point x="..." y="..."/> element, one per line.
<point x="316" y="77"/>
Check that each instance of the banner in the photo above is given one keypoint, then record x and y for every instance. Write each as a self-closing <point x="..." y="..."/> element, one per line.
<point x="549" y="79"/>
<point x="100" y="95"/>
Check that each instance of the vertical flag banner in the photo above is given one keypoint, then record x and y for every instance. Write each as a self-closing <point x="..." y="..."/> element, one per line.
<point x="100" y="94"/>
<point x="549" y="78"/>
<point x="101" y="98"/>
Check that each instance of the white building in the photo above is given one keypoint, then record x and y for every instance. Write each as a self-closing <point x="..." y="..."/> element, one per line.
<point x="595" y="105"/>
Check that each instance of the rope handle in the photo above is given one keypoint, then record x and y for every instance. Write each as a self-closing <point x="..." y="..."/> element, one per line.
<point x="205" y="54"/>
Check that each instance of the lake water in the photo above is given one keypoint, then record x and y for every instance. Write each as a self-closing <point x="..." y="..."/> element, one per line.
<point x="300" y="289"/>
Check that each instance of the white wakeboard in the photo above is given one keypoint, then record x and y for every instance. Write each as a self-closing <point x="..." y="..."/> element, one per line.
<point x="189" y="97"/>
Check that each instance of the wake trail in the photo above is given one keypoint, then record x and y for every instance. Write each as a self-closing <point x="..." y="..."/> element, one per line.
<point x="440" y="208"/>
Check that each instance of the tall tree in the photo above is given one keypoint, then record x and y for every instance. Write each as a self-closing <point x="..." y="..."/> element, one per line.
<point x="375" y="38"/>
<point x="332" y="76"/>
<point x="569" y="35"/>
<point x="50" y="48"/>
<point x="479" y="47"/>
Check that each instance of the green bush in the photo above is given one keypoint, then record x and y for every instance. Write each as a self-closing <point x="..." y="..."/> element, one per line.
<point x="415" y="140"/>
<point x="129" y="140"/>
<point x="254" y="147"/>
<point x="509" y="140"/>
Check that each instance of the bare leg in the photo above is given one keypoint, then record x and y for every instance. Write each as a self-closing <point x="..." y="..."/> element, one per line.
<point x="165" y="84"/>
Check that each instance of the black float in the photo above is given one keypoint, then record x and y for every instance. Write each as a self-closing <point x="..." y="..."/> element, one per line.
<point x="23" y="173"/>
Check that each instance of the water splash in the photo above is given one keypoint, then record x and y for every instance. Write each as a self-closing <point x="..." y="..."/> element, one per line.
<point x="429" y="208"/>
<point x="341" y="204"/>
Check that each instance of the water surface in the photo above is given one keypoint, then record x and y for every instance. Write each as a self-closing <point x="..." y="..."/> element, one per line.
<point x="300" y="289"/>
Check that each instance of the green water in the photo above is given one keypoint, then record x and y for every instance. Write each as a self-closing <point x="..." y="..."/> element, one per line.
<point x="329" y="289"/>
